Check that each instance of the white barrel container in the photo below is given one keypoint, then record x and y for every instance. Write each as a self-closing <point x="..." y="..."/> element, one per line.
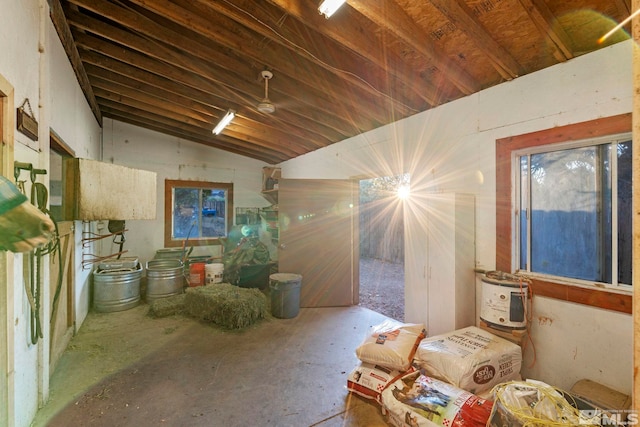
<point x="504" y="301"/>
<point x="213" y="273"/>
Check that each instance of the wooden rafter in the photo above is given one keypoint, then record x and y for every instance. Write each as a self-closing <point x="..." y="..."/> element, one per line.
<point x="176" y="66"/>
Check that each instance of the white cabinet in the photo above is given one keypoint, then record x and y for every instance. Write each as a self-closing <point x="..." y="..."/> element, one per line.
<point x="450" y="278"/>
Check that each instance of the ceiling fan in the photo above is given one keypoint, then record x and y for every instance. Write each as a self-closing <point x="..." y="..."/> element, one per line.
<point x="266" y="106"/>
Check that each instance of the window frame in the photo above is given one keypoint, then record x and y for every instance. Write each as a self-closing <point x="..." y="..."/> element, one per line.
<point x="599" y="142"/>
<point x="607" y="298"/>
<point x="169" y="185"/>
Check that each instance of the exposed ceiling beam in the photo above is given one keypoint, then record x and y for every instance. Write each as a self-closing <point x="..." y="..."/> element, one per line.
<point x="544" y="20"/>
<point x="222" y="142"/>
<point x="388" y="15"/>
<point x="463" y="18"/>
<point x="288" y="62"/>
<point x="372" y="48"/>
<point x="322" y="50"/>
<point x="311" y="130"/>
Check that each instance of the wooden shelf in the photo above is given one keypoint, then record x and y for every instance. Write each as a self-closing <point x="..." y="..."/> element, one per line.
<point x="517" y="336"/>
<point x="271" y="196"/>
<point x="270" y="177"/>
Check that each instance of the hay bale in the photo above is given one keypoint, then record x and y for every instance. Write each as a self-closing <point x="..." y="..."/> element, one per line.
<point x="168" y="306"/>
<point x="226" y="305"/>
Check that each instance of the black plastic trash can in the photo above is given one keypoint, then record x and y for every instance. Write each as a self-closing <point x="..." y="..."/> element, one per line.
<point x="285" y="294"/>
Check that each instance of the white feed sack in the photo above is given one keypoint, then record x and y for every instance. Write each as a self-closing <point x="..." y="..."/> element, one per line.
<point x="470" y="358"/>
<point x="391" y="344"/>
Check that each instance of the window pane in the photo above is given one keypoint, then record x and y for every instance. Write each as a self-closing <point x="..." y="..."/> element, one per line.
<point x="524" y="208"/>
<point x="213" y="213"/>
<point x="624" y="213"/>
<point x="566" y="214"/>
<point x="197" y="211"/>
<point x="607" y="214"/>
<point x="185" y="212"/>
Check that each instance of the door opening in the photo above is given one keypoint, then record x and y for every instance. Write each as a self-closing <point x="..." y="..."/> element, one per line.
<point x="61" y="267"/>
<point x="381" y="225"/>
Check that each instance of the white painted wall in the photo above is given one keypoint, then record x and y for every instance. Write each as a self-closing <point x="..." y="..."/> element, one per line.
<point x="20" y="65"/>
<point x="174" y="158"/>
<point x="452" y="149"/>
<point x="34" y="63"/>
<point x="73" y="120"/>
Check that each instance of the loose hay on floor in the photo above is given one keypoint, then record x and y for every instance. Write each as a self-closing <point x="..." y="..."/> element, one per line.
<point x="226" y="305"/>
<point x="168" y="306"/>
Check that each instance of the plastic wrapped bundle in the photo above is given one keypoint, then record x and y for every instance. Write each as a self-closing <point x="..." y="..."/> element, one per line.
<point x="534" y="403"/>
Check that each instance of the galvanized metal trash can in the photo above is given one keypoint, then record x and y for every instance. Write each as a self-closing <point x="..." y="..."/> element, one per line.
<point x="116" y="289"/>
<point x="165" y="277"/>
<point x="169" y="253"/>
<point x="285" y="294"/>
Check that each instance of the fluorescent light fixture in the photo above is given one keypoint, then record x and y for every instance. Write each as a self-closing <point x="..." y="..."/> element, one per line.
<point x="224" y="122"/>
<point x="329" y="7"/>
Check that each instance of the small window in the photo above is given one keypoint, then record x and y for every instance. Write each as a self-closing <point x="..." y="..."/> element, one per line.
<point x="574" y="211"/>
<point x="198" y="212"/>
<point x="58" y="152"/>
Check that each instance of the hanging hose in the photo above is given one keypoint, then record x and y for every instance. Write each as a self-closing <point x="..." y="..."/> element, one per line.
<point x="39" y="198"/>
<point x="40" y="194"/>
<point x="35" y="264"/>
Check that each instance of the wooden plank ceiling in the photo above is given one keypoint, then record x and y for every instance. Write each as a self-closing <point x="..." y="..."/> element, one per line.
<point x="176" y="66"/>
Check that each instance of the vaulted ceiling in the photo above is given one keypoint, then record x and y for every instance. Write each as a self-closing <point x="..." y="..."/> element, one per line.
<point x="177" y="66"/>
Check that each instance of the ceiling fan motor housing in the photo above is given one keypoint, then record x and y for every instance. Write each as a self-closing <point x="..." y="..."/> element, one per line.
<point x="266" y="106"/>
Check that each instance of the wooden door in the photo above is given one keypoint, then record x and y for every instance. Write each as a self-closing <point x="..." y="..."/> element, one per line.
<point x="319" y="239"/>
<point x="61" y="291"/>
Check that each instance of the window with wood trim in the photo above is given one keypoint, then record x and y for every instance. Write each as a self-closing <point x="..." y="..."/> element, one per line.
<point x="560" y="222"/>
<point x="58" y="152"/>
<point x="197" y="213"/>
<point x="573" y="211"/>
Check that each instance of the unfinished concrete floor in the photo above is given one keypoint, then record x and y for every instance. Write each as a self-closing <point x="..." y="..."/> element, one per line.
<point x="128" y="369"/>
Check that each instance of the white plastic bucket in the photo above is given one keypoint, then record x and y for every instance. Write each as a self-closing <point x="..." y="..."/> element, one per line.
<point x="213" y="273"/>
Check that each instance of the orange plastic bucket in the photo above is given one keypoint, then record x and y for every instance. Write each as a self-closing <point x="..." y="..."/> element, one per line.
<point x="196" y="274"/>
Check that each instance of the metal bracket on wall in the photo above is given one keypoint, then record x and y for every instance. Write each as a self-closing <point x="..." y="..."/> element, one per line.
<point x="88" y="238"/>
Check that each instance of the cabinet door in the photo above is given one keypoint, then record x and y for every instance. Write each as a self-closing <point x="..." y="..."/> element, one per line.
<point x="450" y="263"/>
<point x="441" y="265"/>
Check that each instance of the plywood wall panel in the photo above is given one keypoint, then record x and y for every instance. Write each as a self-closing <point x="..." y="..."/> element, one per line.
<point x="100" y="191"/>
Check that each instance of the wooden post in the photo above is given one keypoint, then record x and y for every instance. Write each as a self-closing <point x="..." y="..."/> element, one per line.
<point x="7" y="348"/>
<point x="635" y="31"/>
